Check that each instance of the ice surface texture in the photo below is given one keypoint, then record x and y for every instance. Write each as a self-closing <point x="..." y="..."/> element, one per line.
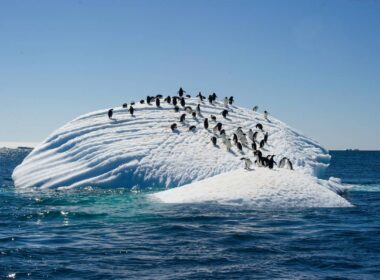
<point x="142" y="150"/>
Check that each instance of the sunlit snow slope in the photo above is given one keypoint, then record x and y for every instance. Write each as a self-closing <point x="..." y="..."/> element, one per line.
<point x="142" y="150"/>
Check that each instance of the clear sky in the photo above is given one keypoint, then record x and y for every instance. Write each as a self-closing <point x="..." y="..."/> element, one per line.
<point x="312" y="64"/>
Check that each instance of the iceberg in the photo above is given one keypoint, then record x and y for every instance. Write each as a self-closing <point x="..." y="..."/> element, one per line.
<point x="142" y="151"/>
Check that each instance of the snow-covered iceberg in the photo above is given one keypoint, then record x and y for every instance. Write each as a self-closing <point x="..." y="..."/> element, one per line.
<point x="142" y="151"/>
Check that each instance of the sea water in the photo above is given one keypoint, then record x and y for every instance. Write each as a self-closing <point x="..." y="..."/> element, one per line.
<point x="119" y="234"/>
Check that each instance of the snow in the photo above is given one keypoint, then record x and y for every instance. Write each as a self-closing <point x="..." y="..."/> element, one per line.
<point x="141" y="151"/>
<point x="259" y="188"/>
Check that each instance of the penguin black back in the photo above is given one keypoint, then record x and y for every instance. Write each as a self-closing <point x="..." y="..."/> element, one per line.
<point x="205" y="123"/>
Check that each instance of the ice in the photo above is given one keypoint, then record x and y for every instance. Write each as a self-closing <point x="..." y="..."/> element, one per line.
<point x="141" y="151"/>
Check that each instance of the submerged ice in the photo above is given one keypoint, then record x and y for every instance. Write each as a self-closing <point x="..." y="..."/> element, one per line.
<point x="141" y="149"/>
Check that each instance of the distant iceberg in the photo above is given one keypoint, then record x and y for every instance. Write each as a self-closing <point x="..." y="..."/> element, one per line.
<point x="143" y="152"/>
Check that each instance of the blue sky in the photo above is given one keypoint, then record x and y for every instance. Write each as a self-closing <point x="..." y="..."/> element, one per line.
<point x="312" y="64"/>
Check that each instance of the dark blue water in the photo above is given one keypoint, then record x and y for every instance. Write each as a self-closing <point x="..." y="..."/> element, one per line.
<point x="103" y="234"/>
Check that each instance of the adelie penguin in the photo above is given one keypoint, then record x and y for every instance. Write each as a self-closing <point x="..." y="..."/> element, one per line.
<point x="247" y="163"/>
<point x="210" y="99"/>
<point x="110" y="113"/>
<point x="192" y="128"/>
<point x="159" y="96"/>
<point x="213" y="118"/>
<point x="182" y="118"/>
<point x="266" y="137"/>
<point x="226" y="101"/>
<point x="142" y="101"/>
<point x="285" y="163"/>
<point x="175" y="101"/>
<point x="148" y="98"/>
<point x="183" y="103"/>
<point x="181" y="92"/>
<point x="254" y="146"/>
<point x="176" y="109"/>
<point x="158" y="102"/>
<point x="188" y="95"/>
<point x="198" y="109"/>
<point x="188" y="109"/>
<point x="231" y="100"/>
<point x="255" y="108"/>
<point x="194" y="114"/>
<point x="173" y="127"/>
<point x="125" y="105"/>
<point x="224" y="113"/>
<point x="213" y="140"/>
<point x="133" y="103"/>
<point x="265" y="115"/>
<point x="239" y="146"/>
<point x="214" y="96"/>
<point x="262" y="143"/>
<point x="131" y="110"/>
<point x="205" y="123"/>
<point x="271" y="162"/>
<point x="168" y="99"/>
<point x="235" y="138"/>
<point x="259" y="126"/>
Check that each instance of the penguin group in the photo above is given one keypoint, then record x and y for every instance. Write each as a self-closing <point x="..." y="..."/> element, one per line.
<point x="255" y="140"/>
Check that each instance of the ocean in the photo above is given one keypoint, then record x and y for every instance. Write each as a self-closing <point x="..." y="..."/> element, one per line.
<point x="119" y="234"/>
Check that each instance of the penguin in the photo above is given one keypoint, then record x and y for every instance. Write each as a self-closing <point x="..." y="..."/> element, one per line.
<point x="182" y="118"/>
<point x="183" y="103"/>
<point x="231" y="100"/>
<point x="194" y="114"/>
<point x="259" y="126"/>
<point x="265" y="115"/>
<point x="285" y="163"/>
<point x="110" y="113"/>
<point x="200" y="96"/>
<point x="198" y="109"/>
<point x="247" y="163"/>
<point x="226" y="101"/>
<point x="224" y="113"/>
<point x="125" y="105"/>
<point x="142" y="101"/>
<point x="168" y="99"/>
<point x="271" y="162"/>
<point x="175" y="101"/>
<point x="176" y="109"/>
<point x="133" y="103"/>
<point x="181" y="92"/>
<point x="148" y="100"/>
<point x="243" y="140"/>
<point x="239" y="146"/>
<point x="131" y="110"/>
<point x="250" y="135"/>
<point x="235" y="138"/>
<point x="159" y="96"/>
<point x="158" y="102"/>
<point x="254" y="146"/>
<point x="192" y="128"/>
<point x="266" y="137"/>
<point x="218" y="127"/>
<point x="254" y="136"/>
<point x="210" y="99"/>
<point x="173" y="126"/>
<point x="223" y="133"/>
<point x="262" y="143"/>
<point x="188" y="95"/>
<point x="213" y="118"/>
<point x="214" y="96"/>
<point x="255" y="108"/>
<point x="213" y="140"/>
<point x="188" y="109"/>
<point x="228" y="144"/>
<point x="205" y="123"/>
